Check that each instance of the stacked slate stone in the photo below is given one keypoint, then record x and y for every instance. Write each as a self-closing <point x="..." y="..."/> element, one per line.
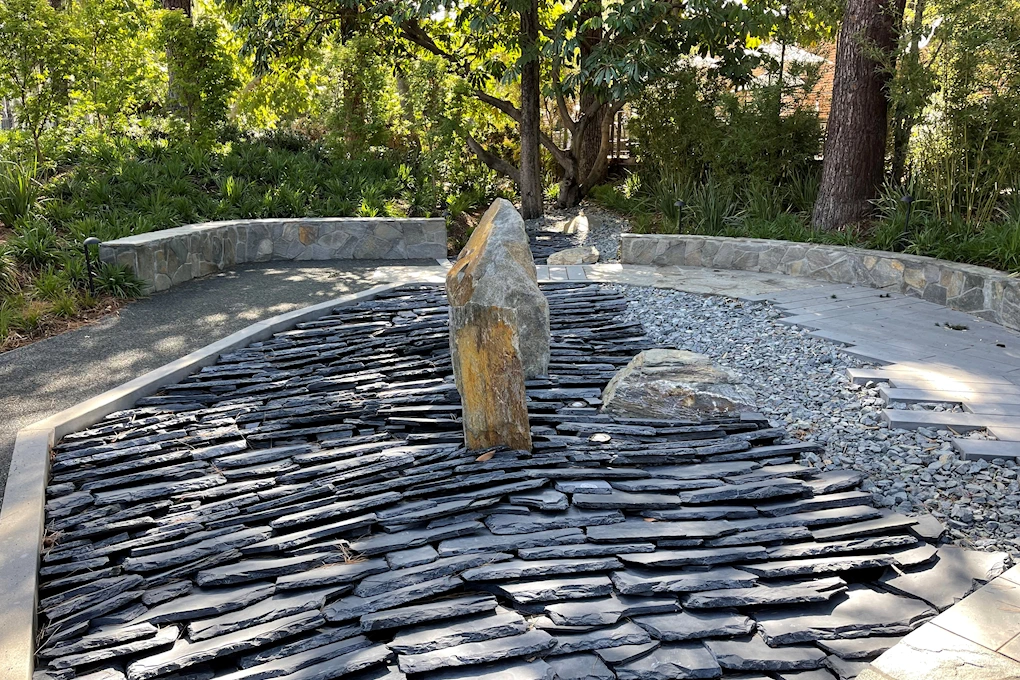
<point x="545" y="242"/>
<point x="304" y="509"/>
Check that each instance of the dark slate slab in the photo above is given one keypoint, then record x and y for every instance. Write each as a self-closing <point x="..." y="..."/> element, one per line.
<point x="833" y="481"/>
<point x="184" y="654"/>
<point x="752" y="654"/>
<point x="852" y="545"/>
<point x="158" y="490"/>
<point x="281" y="605"/>
<point x="355" y="606"/>
<point x="509" y="670"/>
<point x="703" y="557"/>
<point x="956" y="573"/>
<point x="332" y="574"/>
<point x="529" y="644"/>
<point x="686" y="625"/>
<point x="818" y="565"/>
<point x="911" y="557"/>
<point x="750" y="491"/>
<point x="202" y="603"/>
<point x="703" y="512"/>
<point x="799" y="592"/>
<point x="624" y="633"/>
<point x="615" y="656"/>
<point x="196" y="551"/>
<point x="859" y="648"/>
<point x="645" y="581"/>
<point x="412" y="538"/>
<point x="680" y="660"/>
<point x="584" y="550"/>
<point x="883" y="525"/>
<point x="444" y="566"/>
<point x="545" y="521"/>
<point x="638" y="531"/>
<point x="859" y="611"/>
<point x="155" y="596"/>
<point x="765" y="537"/>
<point x="822" y="502"/>
<point x="488" y="542"/>
<point x="432" y="611"/>
<point x="524" y="569"/>
<point x="541" y="499"/>
<point x="608" y="610"/>
<point x="343" y="666"/>
<point x="321" y="637"/>
<point x="660" y="484"/>
<point x="586" y="486"/>
<point x="334" y="510"/>
<point x="580" y="667"/>
<point x="551" y="590"/>
<point x="164" y="638"/>
<point x="104" y="638"/>
<point x="428" y="638"/>
<point x="623" y="500"/>
<point x="258" y="569"/>
<point x="412" y="557"/>
<point x="292" y="663"/>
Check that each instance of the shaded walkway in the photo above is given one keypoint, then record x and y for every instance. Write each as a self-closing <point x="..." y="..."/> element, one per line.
<point x="41" y="379"/>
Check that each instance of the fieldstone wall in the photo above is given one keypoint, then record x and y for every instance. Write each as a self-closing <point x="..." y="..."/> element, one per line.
<point x="171" y="256"/>
<point x="987" y="293"/>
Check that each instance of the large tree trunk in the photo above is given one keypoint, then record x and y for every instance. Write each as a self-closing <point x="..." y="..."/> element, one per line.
<point x="530" y="182"/>
<point x="906" y="111"/>
<point x="855" y="141"/>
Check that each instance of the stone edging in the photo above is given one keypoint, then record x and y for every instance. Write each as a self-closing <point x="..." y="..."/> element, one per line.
<point x="990" y="294"/>
<point x="22" y="518"/>
<point x="171" y="256"/>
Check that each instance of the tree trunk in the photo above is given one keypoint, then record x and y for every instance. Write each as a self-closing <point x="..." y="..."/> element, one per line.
<point x="173" y="97"/>
<point x="531" y="175"/>
<point x="906" y="111"/>
<point x="590" y="144"/>
<point x="854" y="158"/>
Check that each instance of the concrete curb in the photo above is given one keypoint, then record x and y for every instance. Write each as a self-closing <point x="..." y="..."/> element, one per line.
<point x="23" y="517"/>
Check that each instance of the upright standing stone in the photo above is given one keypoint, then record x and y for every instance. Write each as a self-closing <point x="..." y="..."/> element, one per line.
<point x="499" y="329"/>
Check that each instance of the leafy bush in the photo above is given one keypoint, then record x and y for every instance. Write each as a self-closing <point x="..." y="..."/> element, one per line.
<point x="19" y="191"/>
<point x="118" y="281"/>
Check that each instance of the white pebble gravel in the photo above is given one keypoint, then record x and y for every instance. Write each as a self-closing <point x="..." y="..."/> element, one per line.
<point x="802" y="384"/>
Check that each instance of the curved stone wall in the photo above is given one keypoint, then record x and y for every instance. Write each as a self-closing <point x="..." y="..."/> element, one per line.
<point x="166" y="258"/>
<point x="987" y="293"/>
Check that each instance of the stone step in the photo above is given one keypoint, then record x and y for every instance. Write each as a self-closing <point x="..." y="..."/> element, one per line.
<point x="959" y="422"/>
<point x="933" y="376"/>
<point x="988" y="449"/>
<point x="972" y="402"/>
<point x="1005" y="433"/>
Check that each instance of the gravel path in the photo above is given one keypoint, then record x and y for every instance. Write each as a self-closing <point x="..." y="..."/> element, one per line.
<point x="604" y="228"/>
<point x="801" y="382"/>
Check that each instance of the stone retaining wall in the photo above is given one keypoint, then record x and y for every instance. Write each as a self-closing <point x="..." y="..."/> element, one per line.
<point x="987" y="293"/>
<point x="166" y="258"/>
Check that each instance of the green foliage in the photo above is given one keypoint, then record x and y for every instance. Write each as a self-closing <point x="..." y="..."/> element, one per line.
<point x="118" y="281"/>
<point x="202" y="77"/>
<point x="692" y="126"/>
<point x="39" y="57"/>
<point x="19" y="191"/>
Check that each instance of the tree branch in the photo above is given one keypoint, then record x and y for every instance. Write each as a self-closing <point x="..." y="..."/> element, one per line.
<point x="493" y="161"/>
<point x="561" y="101"/>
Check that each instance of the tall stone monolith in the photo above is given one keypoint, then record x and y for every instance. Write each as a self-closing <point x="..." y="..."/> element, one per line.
<point x="499" y="329"/>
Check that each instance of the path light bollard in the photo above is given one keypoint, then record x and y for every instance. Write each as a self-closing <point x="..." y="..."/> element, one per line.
<point x="909" y="201"/>
<point x="90" y="241"/>
<point x="679" y="215"/>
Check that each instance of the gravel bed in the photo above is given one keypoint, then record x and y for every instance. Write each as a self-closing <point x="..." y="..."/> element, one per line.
<point x="801" y="382"/>
<point x="604" y="228"/>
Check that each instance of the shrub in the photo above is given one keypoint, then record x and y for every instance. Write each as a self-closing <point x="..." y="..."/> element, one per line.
<point x="118" y="281"/>
<point x="19" y="191"/>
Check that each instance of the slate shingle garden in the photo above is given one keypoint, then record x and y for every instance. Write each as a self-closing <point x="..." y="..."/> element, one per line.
<point x="304" y="509"/>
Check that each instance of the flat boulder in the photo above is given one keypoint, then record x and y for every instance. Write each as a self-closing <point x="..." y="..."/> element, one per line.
<point x="578" y="255"/>
<point x="675" y="384"/>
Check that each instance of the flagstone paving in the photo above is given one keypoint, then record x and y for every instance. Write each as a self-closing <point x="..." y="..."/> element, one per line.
<point x="305" y="509"/>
